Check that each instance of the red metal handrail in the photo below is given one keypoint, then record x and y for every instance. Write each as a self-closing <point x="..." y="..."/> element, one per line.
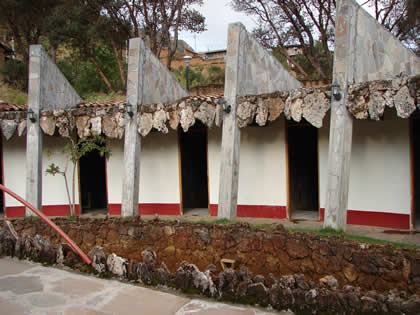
<point x="50" y="223"/>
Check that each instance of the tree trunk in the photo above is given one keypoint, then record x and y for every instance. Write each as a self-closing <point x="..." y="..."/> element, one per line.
<point x="53" y="52"/>
<point x="72" y="212"/>
<point x="120" y="61"/>
<point x="73" y="180"/>
<point x="104" y="78"/>
<point x="290" y="59"/>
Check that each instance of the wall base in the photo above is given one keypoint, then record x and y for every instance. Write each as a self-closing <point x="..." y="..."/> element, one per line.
<point x="371" y="218"/>
<point x="48" y="210"/>
<point x="256" y="211"/>
<point x="149" y="209"/>
<point x="354" y="217"/>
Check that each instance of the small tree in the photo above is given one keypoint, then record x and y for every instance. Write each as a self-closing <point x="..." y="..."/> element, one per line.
<point x="76" y="150"/>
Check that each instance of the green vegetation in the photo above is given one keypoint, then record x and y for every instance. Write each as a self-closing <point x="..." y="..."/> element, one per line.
<point x="351" y="237"/>
<point x="84" y="76"/>
<point x="322" y="232"/>
<point x="93" y="35"/>
<point x="217" y="222"/>
<point x="14" y="73"/>
<point x="12" y="95"/>
<point x="104" y="97"/>
<point x="199" y="77"/>
<point x="311" y="72"/>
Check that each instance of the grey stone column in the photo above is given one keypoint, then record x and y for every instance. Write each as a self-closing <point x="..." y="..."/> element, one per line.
<point x="34" y="134"/>
<point x="48" y="90"/>
<point x="148" y="82"/>
<point x="132" y="140"/>
<point x="231" y="135"/>
<point x="250" y="70"/>
<point x="341" y="127"/>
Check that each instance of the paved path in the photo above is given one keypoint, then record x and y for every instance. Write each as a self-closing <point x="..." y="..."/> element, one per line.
<point x="29" y="288"/>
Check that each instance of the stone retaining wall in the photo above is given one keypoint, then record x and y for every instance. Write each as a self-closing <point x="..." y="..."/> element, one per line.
<point x="276" y="252"/>
<point x="302" y="272"/>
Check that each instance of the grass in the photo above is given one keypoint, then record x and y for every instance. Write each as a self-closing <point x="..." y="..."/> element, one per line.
<point x="357" y="238"/>
<point x="322" y="232"/>
<point x="11" y="95"/>
<point x="104" y="97"/>
<point x="217" y="222"/>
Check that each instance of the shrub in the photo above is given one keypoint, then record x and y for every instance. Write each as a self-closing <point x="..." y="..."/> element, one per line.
<point x="15" y="73"/>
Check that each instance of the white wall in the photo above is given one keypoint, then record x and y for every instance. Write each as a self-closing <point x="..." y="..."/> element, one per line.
<point x="380" y="165"/>
<point x="262" y="166"/>
<point x="159" y="174"/>
<point x="53" y="187"/>
<point x="14" y="166"/>
<point x="53" y="190"/>
<point x="214" y="136"/>
<point x="115" y="170"/>
<point x="323" y="140"/>
<point x="159" y="168"/>
<point x="379" y="175"/>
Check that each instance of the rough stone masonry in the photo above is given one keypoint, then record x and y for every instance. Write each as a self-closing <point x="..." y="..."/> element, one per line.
<point x="312" y="274"/>
<point x="365" y="101"/>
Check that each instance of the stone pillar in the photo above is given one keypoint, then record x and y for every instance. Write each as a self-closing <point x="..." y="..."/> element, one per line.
<point x="148" y="82"/>
<point x="132" y="140"/>
<point x="231" y="135"/>
<point x="250" y="70"/>
<point x="48" y="90"/>
<point x="34" y="135"/>
<point x="341" y="127"/>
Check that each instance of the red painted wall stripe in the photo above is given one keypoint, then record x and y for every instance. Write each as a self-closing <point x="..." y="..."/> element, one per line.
<point x="15" y="212"/>
<point x="380" y="219"/>
<point x="256" y="211"/>
<point x="355" y="217"/>
<point x="160" y="208"/>
<point x="48" y="210"/>
<point x="149" y="209"/>
<point x="114" y="208"/>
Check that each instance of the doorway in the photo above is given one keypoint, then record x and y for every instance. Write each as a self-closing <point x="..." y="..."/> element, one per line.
<point x="415" y="123"/>
<point x="193" y="151"/>
<point x="93" y="187"/>
<point x="302" y="144"/>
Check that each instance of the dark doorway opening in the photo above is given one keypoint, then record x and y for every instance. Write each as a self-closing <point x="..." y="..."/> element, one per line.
<point x="93" y="189"/>
<point x="416" y="169"/>
<point x="193" y="147"/>
<point x="302" y="139"/>
<point x="1" y="177"/>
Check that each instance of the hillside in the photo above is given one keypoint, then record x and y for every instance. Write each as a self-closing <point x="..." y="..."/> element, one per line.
<point x="11" y="95"/>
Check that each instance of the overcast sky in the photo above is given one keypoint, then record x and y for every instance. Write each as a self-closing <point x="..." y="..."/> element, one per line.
<point x="218" y="15"/>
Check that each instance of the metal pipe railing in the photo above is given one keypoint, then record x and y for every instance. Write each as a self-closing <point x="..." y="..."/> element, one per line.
<point x="50" y="223"/>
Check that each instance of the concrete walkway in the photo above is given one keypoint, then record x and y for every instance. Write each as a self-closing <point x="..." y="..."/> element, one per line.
<point x="29" y="288"/>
